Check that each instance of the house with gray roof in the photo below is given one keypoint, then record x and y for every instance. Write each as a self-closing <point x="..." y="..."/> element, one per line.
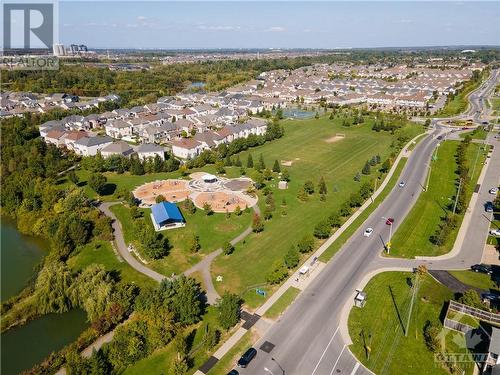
<point x="89" y="146"/>
<point x="120" y="148"/>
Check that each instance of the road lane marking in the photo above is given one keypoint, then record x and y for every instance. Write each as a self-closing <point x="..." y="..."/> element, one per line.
<point x="355" y="368"/>
<point x="337" y="361"/>
<point x="324" y="351"/>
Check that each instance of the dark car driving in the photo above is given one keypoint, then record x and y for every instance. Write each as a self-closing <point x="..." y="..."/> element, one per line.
<point x="247" y="357"/>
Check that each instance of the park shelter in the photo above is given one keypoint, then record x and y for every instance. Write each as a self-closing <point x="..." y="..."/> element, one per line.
<point x="166" y="215"/>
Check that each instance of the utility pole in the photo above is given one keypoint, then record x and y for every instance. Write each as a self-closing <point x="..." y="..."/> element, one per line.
<point x="456" y="198"/>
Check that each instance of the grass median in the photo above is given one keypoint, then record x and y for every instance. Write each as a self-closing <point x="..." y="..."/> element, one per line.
<point x="413" y="236"/>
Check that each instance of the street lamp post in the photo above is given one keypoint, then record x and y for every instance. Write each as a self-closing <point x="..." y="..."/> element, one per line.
<point x="267" y="370"/>
<point x="281" y="368"/>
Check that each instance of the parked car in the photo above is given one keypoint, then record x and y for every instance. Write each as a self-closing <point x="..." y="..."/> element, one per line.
<point x="492" y="297"/>
<point x="488" y="207"/>
<point x="494" y="190"/>
<point x="247" y="357"/>
<point x="483" y="268"/>
<point x="389" y="221"/>
<point x="233" y="372"/>
<point x="368" y="232"/>
<point x="495" y="232"/>
<point x="402" y="184"/>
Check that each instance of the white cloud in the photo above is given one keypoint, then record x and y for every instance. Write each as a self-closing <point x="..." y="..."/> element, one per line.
<point x="141" y="18"/>
<point x="218" y="27"/>
<point x="276" y="29"/>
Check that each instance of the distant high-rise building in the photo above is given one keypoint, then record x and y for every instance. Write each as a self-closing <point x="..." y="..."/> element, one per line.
<point x="73" y="48"/>
<point x="82" y="48"/>
<point x="58" y="49"/>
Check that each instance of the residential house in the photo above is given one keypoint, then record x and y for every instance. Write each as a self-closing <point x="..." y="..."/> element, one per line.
<point x="150" y="150"/>
<point x="89" y="146"/>
<point x="186" y="148"/>
<point x="117" y="148"/>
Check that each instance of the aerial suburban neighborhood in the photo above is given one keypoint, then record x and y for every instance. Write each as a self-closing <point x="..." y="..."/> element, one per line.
<point x="250" y="188"/>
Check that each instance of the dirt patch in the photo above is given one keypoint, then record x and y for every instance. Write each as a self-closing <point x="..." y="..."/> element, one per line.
<point x="172" y="190"/>
<point x="287" y="163"/>
<point x="334" y="139"/>
<point x="238" y="184"/>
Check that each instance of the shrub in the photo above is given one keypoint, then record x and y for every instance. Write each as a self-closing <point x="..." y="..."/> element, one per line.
<point x="322" y="229"/>
<point x="227" y="248"/>
<point x="291" y="258"/>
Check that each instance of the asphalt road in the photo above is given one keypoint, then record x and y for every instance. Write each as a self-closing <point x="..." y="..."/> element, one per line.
<point x="307" y="338"/>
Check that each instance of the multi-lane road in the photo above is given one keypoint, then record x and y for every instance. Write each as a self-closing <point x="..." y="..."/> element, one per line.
<point x="310" y="338"/>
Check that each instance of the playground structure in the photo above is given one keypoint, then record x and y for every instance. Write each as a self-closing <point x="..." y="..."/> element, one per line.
<point x="222" y="194"/>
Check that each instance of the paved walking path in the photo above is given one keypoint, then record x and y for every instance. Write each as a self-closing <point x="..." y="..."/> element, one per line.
<point x="121" y="246"/>
<point x="450" y="281"/>
<point x="204" y="265"/>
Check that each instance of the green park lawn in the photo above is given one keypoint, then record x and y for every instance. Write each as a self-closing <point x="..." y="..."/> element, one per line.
<point x="212" y="230"/>
<point x="305" y="144"/>
<point x="475" y="279"/>
<point x="101" y="252"/>
<point x="412" y="237"/>
<point x="379" y="325"/>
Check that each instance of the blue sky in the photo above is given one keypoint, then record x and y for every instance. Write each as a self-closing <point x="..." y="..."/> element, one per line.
<point x="296" y="24"/>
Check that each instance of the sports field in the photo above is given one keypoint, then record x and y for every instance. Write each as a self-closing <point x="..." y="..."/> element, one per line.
<point x="308" y="145"/>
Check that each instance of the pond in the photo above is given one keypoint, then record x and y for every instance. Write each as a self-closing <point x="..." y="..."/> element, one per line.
<point x="28" y="345"/>
<point x="19" y="254"/>
<point x="25" y="346"/>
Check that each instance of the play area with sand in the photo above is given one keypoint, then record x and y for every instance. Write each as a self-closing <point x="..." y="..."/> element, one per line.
<point x="222" y="194"/>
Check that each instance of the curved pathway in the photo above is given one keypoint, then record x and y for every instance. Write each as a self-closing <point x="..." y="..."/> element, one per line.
<point x="203" y="266"/>
<point x="122" y="246"/>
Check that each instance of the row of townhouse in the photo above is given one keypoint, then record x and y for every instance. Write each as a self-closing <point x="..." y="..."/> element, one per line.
<point x="86" y="144"/>
<point x="189" y="148"/>
<point x="18" y="103"/>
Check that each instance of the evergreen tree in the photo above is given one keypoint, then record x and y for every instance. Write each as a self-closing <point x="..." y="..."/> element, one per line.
<point x="366" y="169"/>
<point x="249" y="161"/>
<point x="276" y="167"/>
<point x="322" y="186"/>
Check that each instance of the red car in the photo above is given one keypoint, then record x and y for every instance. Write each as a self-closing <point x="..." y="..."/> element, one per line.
<point x="389" y="221"/>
